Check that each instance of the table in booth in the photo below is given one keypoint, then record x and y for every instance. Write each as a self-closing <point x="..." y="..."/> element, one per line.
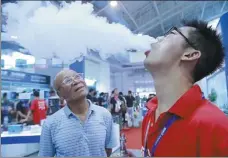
<point x="27" y="141"/>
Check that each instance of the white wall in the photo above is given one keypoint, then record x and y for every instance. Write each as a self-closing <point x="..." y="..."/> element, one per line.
<point x="131" y="80"/>
<point x="100" y="71"/>
<point x="216" y="81"/>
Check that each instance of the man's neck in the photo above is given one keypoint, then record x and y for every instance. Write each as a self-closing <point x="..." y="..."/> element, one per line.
<point x="79" y="107"/>
<point x="170" y="87"/>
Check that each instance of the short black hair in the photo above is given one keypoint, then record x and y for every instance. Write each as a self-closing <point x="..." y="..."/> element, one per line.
<point x="17" y="95"/>
<point x="129" y="92"/>
<point x="36" y="93"/>
<point x="4" y="95"/>
<point x="91" y="90"/>
<point x="208" y="42"/>
<point x="120" y="93"/>
<point x="102" y="94"/>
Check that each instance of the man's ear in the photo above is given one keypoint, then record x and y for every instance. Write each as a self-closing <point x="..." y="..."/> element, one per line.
<point x="191" y="55"/>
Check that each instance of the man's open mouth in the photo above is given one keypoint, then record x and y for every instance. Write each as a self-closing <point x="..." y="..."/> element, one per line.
<point x="147" y="53"/>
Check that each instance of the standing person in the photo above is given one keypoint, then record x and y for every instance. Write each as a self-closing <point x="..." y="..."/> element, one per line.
<point x="115" y="105"/>
<point x="20" y="108"/>
<point x="189" y="125"/>
<point x="101" y="100"/>
<point x="38" y="109"/>
<point x="137" y="101"/>
<point x="123" y="107"/>
<point x="78" y="129"/>
<point x="90" y="95"/>
<point x="7" y="109"/>
<point x="95" y="99"/>
<point x="130" y="101"/>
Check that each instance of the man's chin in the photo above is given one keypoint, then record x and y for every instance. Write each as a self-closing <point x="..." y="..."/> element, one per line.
<point x="151" y="65"/>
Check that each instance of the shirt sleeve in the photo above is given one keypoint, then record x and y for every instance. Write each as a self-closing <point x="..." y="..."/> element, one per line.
<point x="46" y="144"/>
<point x="110" y="141"/>
<point x="33" y="104"/>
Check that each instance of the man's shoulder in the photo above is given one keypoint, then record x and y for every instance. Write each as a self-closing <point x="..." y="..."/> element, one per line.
<point x="101" y="110"/>
<point x="210" y="115"/>
<point x="55" y="118"/>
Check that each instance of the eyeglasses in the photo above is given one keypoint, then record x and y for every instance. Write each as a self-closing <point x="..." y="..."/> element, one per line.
<point x="69" y="80"/>
<point x="186" y="39"/>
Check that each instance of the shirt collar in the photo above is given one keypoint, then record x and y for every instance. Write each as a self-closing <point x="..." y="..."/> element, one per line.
<point x="68" y="112"/>
<point x="152" y="104"/>
<point x="184" y="106"/>
<point x="188" y="103"/>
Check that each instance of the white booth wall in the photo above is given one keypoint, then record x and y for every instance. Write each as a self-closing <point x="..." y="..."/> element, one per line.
<point x="98" y="70"/>
<point x="216" y="81"/>
<point x="132" y="79"/>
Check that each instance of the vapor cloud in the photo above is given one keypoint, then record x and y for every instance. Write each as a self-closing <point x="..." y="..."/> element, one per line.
<point x="44" y="29"/>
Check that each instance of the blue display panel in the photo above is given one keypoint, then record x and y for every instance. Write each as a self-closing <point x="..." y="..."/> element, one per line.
<point x="21" y="63"/>
<point x="2" y="63"/>
<point x="16" y="76"/>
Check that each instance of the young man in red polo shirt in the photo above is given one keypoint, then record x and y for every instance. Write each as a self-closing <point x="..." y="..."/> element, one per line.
<point x="188" y="125"/>
<point x="38" y="109"/>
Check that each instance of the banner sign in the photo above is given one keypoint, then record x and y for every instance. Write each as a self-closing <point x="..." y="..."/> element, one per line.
<point x="224" y="34"/>
<point x="16" y="76"/>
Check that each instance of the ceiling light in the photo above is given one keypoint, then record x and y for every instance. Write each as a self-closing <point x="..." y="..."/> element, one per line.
<point x="113" y="3"/>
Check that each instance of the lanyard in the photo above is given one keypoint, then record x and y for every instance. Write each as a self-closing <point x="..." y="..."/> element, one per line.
<point x="167" y="125"/>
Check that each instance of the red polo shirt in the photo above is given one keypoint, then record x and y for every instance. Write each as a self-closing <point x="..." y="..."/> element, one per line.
<point x="201" y="130"/>
<point x="39" y="109"/>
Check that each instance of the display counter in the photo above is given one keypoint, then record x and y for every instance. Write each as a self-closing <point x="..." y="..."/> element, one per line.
<point x="27" y="142"/>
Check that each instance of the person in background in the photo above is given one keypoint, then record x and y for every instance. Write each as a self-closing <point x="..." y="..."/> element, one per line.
<point x="189" y="125"/>
<point x="38" y="109"/>
<point x="130" y="101"/>
<point x="115" y="103"/>
<point x="137" y="101"/>
<point x="123" y="107"/>
<point x="90" y="96"/>
<point x="101" y="100"/>
<point x="20" y="108"/>
<point x="95" y="99"/>
<point x="80" y="128"/>
<point x="7" y="109"/>
<point x="151" y="96"/>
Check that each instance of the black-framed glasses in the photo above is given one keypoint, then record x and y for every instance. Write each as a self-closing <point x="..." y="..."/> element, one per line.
<point x="185" y="38"/>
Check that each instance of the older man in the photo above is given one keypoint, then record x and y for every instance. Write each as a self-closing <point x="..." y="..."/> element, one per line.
<point x="80" y="128"/>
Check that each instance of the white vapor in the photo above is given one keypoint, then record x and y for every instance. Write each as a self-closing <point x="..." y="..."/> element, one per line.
<point x="68" y="31"/>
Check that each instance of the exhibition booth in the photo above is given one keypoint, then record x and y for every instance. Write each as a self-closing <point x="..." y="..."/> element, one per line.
<point x="24" y="138"/>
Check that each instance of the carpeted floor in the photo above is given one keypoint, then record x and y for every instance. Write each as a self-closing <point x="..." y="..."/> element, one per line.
<point x="133" y="136"/>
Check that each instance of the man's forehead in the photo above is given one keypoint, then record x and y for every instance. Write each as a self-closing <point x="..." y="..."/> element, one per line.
<point x="65" y="73"/>
<point x="186" y="29"/>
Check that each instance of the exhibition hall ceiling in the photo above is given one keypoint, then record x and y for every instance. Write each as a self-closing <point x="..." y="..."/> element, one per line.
<point x="153" y="18"/>
<point x="156" y="17"/>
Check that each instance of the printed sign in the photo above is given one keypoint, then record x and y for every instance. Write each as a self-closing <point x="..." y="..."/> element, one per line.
<point x="16" y="76"/>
